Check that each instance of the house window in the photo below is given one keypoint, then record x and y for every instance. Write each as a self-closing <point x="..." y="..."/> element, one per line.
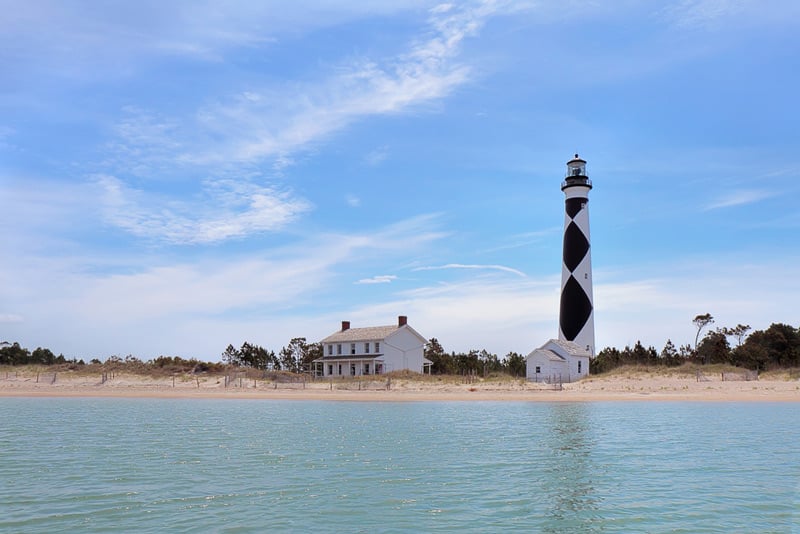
<point x="353" y="369"/>
<point x="352" y="348"/>
<point x="377" y="347"/>
<point x="340" y="369"/>
<point x="330" y="350"/>
<point x="366" y="348"/>
<point x="339" y="348"/>
<point x="378" y="368"/>
<point x="330" y="369"/>
<point x="366" y="368"/>
<point x="579" y="366"/>
<point x="538" y="369"/>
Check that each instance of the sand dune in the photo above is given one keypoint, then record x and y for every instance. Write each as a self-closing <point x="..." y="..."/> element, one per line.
<point x="630" y="387"/>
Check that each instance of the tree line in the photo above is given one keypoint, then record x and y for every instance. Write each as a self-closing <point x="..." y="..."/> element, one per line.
<point x="296" y="357"/>
<point x="776" y="347"/>
<point x="472" y="362"/>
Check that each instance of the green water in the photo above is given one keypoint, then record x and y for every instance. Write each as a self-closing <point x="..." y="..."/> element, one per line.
<point x="141" y="465"/>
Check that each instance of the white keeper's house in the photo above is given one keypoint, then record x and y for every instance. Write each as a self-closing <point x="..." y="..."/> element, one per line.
<point x="557" y="361"/>
<point x="372" y="350"/>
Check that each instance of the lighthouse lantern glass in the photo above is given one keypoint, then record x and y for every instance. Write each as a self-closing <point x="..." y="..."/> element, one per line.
<point x="576" y="168"/>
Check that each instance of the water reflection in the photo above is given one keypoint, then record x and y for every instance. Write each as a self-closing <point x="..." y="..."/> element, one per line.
<point x="569" y="475"/>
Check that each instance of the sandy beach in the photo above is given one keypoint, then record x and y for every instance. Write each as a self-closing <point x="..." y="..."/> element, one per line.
<point x="620" y="387"/>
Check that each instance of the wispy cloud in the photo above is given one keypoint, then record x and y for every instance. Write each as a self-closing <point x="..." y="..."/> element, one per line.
<point x="379" y="279"/>
<point x="5" y="134"/>
<point x="352" y="200"/>
<point x="525" y="239"/>
<point x="230" y="209"/>
<point x="692" y="13"/>
<point x="471" y="266"/>
<point x="739" y="198"/>
<point x="10" y="318"/>
<point x="718" y="14"/>
<point x="377" y="156"/>
<point x="259" y="126"/>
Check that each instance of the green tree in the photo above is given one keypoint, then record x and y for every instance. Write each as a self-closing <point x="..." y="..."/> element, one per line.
<point x="231" y="356"/>
<point x="669" y="355"/>
<point x="43" y="356"/>
<point x="779" y="345"/>
<point x="490" y="362"/>
<point x="607" y="359"/>
<point x="13" y="354"/>
<point x="738" y="332"/>
<point x="700" y="322"/>
<point x="515" y="363"/>
<point x="442" y="363"/>
<point x="714" y="348"/>
<point x="296" y="356"/>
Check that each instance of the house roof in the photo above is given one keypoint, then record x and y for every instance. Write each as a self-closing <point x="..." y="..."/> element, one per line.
<point x="369" y="333"/>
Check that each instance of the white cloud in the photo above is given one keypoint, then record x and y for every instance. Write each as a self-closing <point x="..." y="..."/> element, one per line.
<point x="717" y="14"/>
<point x="377" y="156"/>
<point x="69" y="40"/>
<point x="231" y="210"/>
<point x="278" y="121"/>
<point x="471" y="266"/>
<point x="740" y="198"/>
<point x="5" y="134"/>
<point x="352" y="200"/>
<point x="378" y="279"/>
<point x="501" y="316"/>
<point x="702" y="12"/>
<point x="525" y="239"/>
<point x="148" y="306"/>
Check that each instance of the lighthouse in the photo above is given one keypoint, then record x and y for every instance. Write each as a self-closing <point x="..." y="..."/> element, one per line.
<point x="576" y="315"/>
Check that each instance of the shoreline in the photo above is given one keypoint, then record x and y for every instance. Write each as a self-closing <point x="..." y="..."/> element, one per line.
<point x="635" y="387"/>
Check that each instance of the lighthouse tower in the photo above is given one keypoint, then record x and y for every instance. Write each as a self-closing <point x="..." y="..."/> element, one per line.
<point x="576" y="317"/>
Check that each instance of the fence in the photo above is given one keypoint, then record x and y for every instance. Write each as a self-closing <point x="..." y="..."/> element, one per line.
<point x="745" y="376"/>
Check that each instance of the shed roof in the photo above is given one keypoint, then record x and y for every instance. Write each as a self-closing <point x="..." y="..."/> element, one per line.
<point x="549" y="354"/>
<point x="573" y="349"/>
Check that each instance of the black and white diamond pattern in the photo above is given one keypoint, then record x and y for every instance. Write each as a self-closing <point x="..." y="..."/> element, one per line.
<point x="576" y="320"/>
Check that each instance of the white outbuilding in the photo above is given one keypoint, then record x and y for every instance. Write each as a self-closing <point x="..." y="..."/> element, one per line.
<point x="372" y="350"/>
<point x="557" y="361"/>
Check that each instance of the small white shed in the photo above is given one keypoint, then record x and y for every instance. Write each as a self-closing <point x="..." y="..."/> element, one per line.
<point x="557" y="361"/>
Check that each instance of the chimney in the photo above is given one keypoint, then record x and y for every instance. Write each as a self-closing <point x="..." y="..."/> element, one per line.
<point x="345" y="325"/>
<point x="402" y="320"/>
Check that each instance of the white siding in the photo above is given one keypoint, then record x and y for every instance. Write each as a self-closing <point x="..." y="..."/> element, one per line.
<point x="404" y="350"/>
<point x="548" y="368"/>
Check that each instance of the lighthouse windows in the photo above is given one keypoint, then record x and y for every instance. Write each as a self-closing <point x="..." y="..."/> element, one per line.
<point x="585" y="276"/>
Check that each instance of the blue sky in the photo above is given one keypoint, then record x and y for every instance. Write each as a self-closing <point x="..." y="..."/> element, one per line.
<point x="179" y="176"/>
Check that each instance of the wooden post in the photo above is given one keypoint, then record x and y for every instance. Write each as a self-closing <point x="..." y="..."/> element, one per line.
<point x="198" y="382"/>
